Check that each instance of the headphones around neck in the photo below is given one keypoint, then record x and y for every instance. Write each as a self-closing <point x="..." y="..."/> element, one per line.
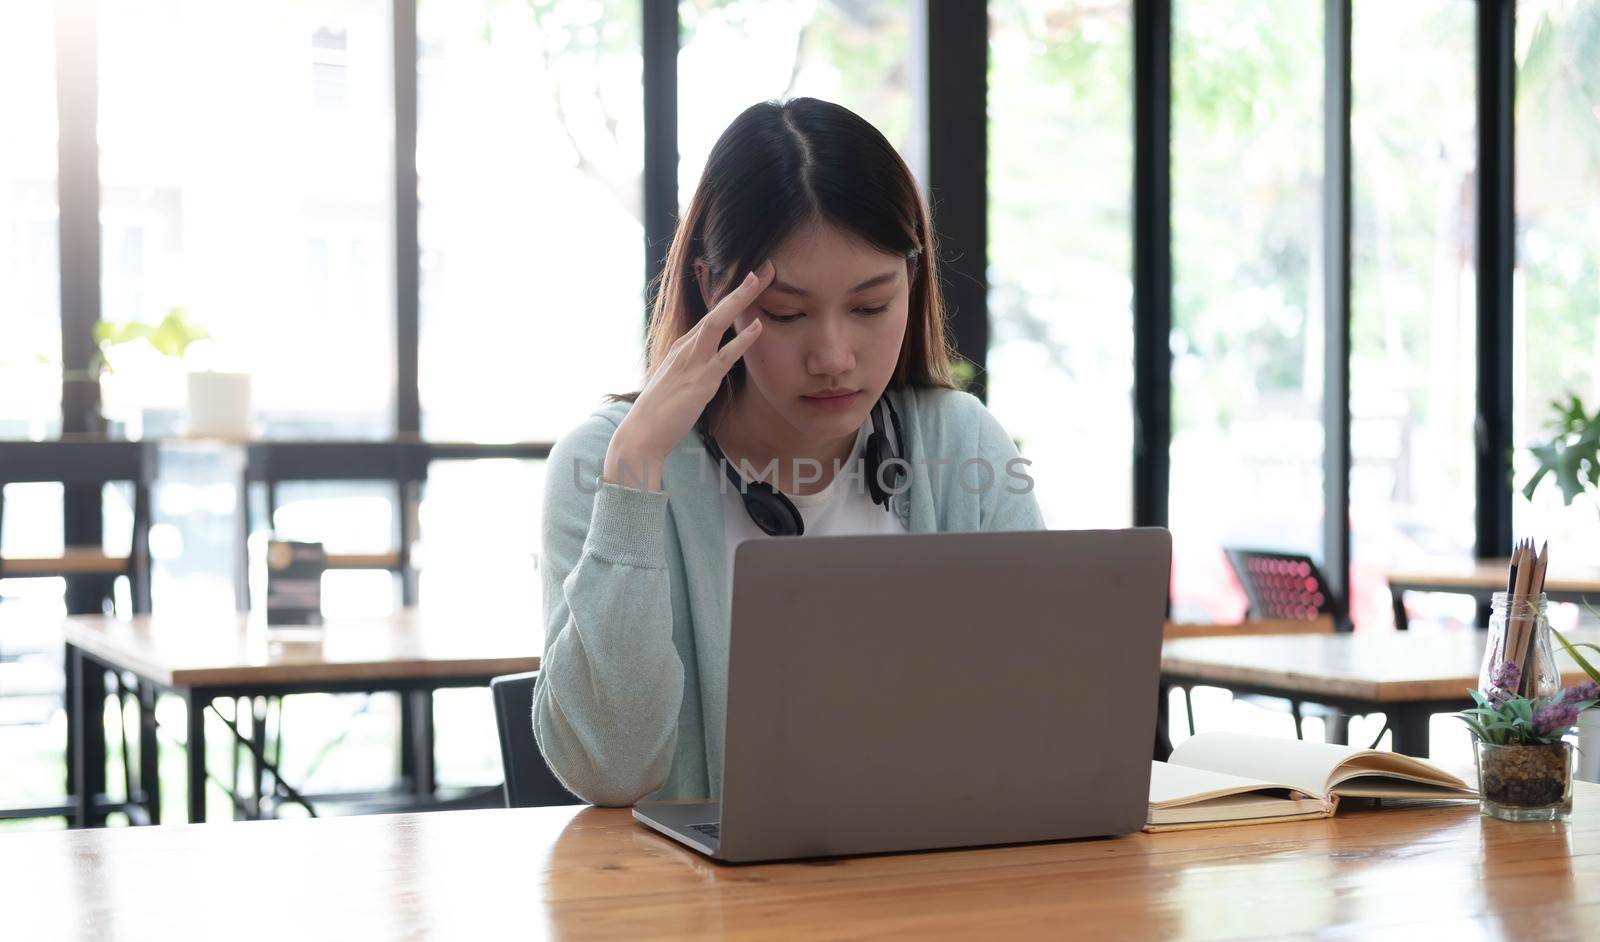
<point x="776" y="515"/>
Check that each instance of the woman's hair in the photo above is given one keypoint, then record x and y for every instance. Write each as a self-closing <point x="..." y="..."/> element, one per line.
<point x="781" y="166"/>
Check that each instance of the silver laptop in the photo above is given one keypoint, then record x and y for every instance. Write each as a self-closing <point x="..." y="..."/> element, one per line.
<point x="945" y="690"/>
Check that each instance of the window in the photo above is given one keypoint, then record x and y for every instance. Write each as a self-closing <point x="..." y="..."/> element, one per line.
<point x="1060" y="357"/>
<point x="855" y="54"/>
<point x="530" y="153"/>
<point x="30" y="325"/>
<point x="1413" y="309"/>
<point x="1247" y="371"/>
<point x="1556" y="305"/>
<point x="246" y="177"/>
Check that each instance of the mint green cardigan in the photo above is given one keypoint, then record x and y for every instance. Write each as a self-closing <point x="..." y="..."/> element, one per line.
<point x="633" y="683"/>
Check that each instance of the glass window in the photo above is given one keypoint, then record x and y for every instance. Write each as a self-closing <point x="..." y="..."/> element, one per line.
<point x="479" y="527"/>
<point x="855" y="54"/>
<point x="530" y="153"/>
<point x="246" y="178"/>
<point x="1247" y="341"/>
<point x="30" y="326"/>
<point x="1060" y="354"/>
<point x="1556" y="304"/>
<point x="1413" y="381"/>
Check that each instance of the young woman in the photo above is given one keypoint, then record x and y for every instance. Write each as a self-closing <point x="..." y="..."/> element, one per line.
<point x="798" y="382"/>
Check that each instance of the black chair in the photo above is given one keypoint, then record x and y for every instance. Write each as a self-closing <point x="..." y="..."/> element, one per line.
<point x="402" y="465"/>
<point x="84" y="468"/>
<point x="529" y="781"/>
<point x="1288" y="587"/>
<point x="87" y="464"/>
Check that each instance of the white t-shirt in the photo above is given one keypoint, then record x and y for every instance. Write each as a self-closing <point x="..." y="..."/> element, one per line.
<point x="842" y="508"/>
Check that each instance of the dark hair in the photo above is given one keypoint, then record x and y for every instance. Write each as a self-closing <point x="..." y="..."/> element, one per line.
<point x="780" y="166"/>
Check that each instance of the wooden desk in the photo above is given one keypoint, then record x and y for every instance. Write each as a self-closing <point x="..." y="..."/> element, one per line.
<point x="205" y="658"/>
<point x="592" y="873"/>
<point x="1408" y="675"/>
<point x="1322" y="624"/>
<point x="1482" y="578"/>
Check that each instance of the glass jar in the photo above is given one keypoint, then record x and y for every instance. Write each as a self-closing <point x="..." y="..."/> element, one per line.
<point x="1520" y="634"/>
<point x="1525" y="782"/>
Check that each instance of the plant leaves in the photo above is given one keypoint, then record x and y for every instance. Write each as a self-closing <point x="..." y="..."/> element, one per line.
<point x="1572" y="455"/>
<point x="175" y="332"/>
<point x="1572" y="652"/>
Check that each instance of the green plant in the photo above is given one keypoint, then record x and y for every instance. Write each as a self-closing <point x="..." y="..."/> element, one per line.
<point x="1572" y="456"/>
<point x="1572" y="648"/>
<point x="171" y="337"/>
<point x="1503" y="719"/>
<point x="1519" y="721"/>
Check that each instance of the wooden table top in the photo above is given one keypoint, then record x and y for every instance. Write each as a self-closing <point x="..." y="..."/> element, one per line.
<point x="191" y="649"/>
<point x="1377" y="666"/>
<point x="1491" y="574"/>
<point x="593" y="873"/>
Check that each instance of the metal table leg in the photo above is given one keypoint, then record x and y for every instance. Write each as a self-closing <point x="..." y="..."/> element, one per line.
<point x="1409" y="724"/>
<point x="149" y="752"/>
<point x="408" y="755"/>
<point x="1401" y="620"/>
<point x="69" y="701"/>
<point x="1163" y="743"/>
<point x="196" y="758"/>
<point x="418" y="706"/>
<point x="89" y="736"/>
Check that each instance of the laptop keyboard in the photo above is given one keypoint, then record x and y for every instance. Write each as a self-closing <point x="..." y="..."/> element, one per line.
<point x="709" y="830"/>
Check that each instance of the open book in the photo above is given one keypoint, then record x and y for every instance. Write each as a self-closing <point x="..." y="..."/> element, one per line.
<point x="1217" y="779"/>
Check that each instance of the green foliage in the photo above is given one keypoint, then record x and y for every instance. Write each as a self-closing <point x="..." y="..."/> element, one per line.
<point x="1572" y="649"/>
<point x="1572" y="455"/>
<point x="1511" y="721"/>
<point x="171" y="337"/>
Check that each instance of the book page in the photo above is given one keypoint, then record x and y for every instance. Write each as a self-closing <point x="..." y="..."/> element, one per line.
<point x="1173" y="785"/>
<point x="1389" y="774"/>
<point x="1391" y="788"/>
<point x="1316" y="768"/>
<point x="1298" y="764"/>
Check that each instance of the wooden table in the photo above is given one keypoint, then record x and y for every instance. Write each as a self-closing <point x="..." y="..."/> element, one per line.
<point x="209" y="657"/>
<point x="1482" y="578"/>
<point x="1407" y="675"/>
<point x="592" y="873"/>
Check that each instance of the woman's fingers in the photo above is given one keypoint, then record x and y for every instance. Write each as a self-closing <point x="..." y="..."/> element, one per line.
<point x="688" y="376"/>
<point x="731" y="351"/>
<point x="722" y="315"/>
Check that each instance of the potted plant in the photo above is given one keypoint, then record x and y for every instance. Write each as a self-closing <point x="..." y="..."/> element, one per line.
<point x="139" y="368"/>
<point x="215" y="403"/>
<point x="1524" y="762"/>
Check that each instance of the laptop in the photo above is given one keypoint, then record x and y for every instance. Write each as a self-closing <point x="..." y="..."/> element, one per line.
<point x="945" y="690"/>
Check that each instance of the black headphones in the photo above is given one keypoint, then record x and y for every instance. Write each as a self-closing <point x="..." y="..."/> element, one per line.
<point x="776" y="515"/>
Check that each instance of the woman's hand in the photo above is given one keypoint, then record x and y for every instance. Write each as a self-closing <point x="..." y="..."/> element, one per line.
<point x="689" y="375"/>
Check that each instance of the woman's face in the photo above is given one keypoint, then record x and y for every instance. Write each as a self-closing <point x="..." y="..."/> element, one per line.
<point x="834" y="321"/>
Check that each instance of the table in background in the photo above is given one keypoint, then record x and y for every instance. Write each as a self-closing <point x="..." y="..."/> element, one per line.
<point x="1482" y="578"/>
<point x="227" y="655"/>
<point x="1407" y="675"/>
<point x="1443" y="871"/>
